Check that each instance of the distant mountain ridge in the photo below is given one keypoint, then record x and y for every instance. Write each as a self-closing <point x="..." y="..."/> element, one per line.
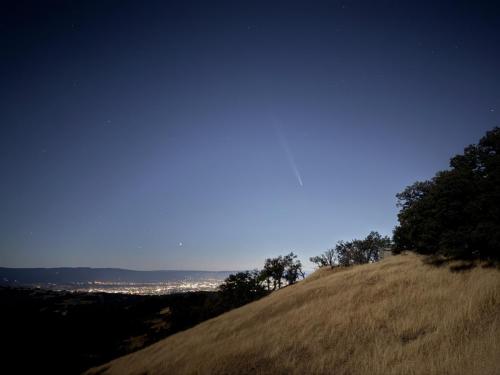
<point x="65" y="275"/>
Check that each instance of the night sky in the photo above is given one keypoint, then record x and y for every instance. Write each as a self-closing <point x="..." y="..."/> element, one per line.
<point x="210" y="135"/>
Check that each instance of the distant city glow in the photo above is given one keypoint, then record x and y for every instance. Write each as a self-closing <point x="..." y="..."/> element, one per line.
<point x="160" y="288"/>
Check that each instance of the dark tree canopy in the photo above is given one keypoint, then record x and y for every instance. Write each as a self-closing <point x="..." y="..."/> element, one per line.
<point x="457" y="213"/>
<point x="282" y="268"/>
<point x="362" y="251"/>
<point x="348" y="253"/>
<point x="274" y="270"/>
<point x="293" y="268"/>
<point x="327" y="259"/>
<point x="242" y="287"/>
<point x="247" y="286"/>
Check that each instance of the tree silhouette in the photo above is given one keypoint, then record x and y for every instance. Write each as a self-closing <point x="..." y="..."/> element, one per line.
<point x="242" y="287"/>
<point x="457" y="213"/>
<point x="328" y="258"/>
<point x="348" y="253"/>
<point x="293" y="268"/>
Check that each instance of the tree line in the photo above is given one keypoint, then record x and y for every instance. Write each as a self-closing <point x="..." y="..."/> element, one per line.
<point x="349" y="253"/>
<point x="246" y="286"/>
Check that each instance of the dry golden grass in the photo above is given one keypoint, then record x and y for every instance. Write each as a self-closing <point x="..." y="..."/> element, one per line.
<point x="399" y="316"/>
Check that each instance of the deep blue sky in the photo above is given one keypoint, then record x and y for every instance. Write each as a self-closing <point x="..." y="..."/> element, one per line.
<point x="210" y="135"/>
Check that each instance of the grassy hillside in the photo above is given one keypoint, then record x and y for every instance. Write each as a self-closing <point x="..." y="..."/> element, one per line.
<point x="399" y="316"/>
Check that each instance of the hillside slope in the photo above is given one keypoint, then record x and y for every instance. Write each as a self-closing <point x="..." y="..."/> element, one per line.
<point x="399" y="316"/>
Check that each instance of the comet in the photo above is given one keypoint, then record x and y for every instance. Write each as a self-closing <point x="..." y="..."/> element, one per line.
<point x="289" y="155"/>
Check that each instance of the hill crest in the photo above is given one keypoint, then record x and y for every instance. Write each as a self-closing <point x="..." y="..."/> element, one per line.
<point x="393" y="317"/>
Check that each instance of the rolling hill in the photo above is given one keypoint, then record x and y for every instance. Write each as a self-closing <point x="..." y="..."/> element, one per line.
<point x="398" y="316"/>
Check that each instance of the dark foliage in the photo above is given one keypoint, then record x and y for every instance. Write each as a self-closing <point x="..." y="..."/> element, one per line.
<point x="327" y="259"/>
<point x="248" y="286"/>
<point x="273" y="272"/>
<point x="293" y="269"/>
<point x="363" y="251"/>
<point x="282" y="270"/>
<point x="457" y="213"/>
<point x="242" y="288"/>
<point x="68" y="332"/>
<point x="348" y="253"/>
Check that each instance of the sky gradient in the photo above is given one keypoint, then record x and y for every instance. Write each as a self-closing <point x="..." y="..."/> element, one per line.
<point x="211" y="135"/>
